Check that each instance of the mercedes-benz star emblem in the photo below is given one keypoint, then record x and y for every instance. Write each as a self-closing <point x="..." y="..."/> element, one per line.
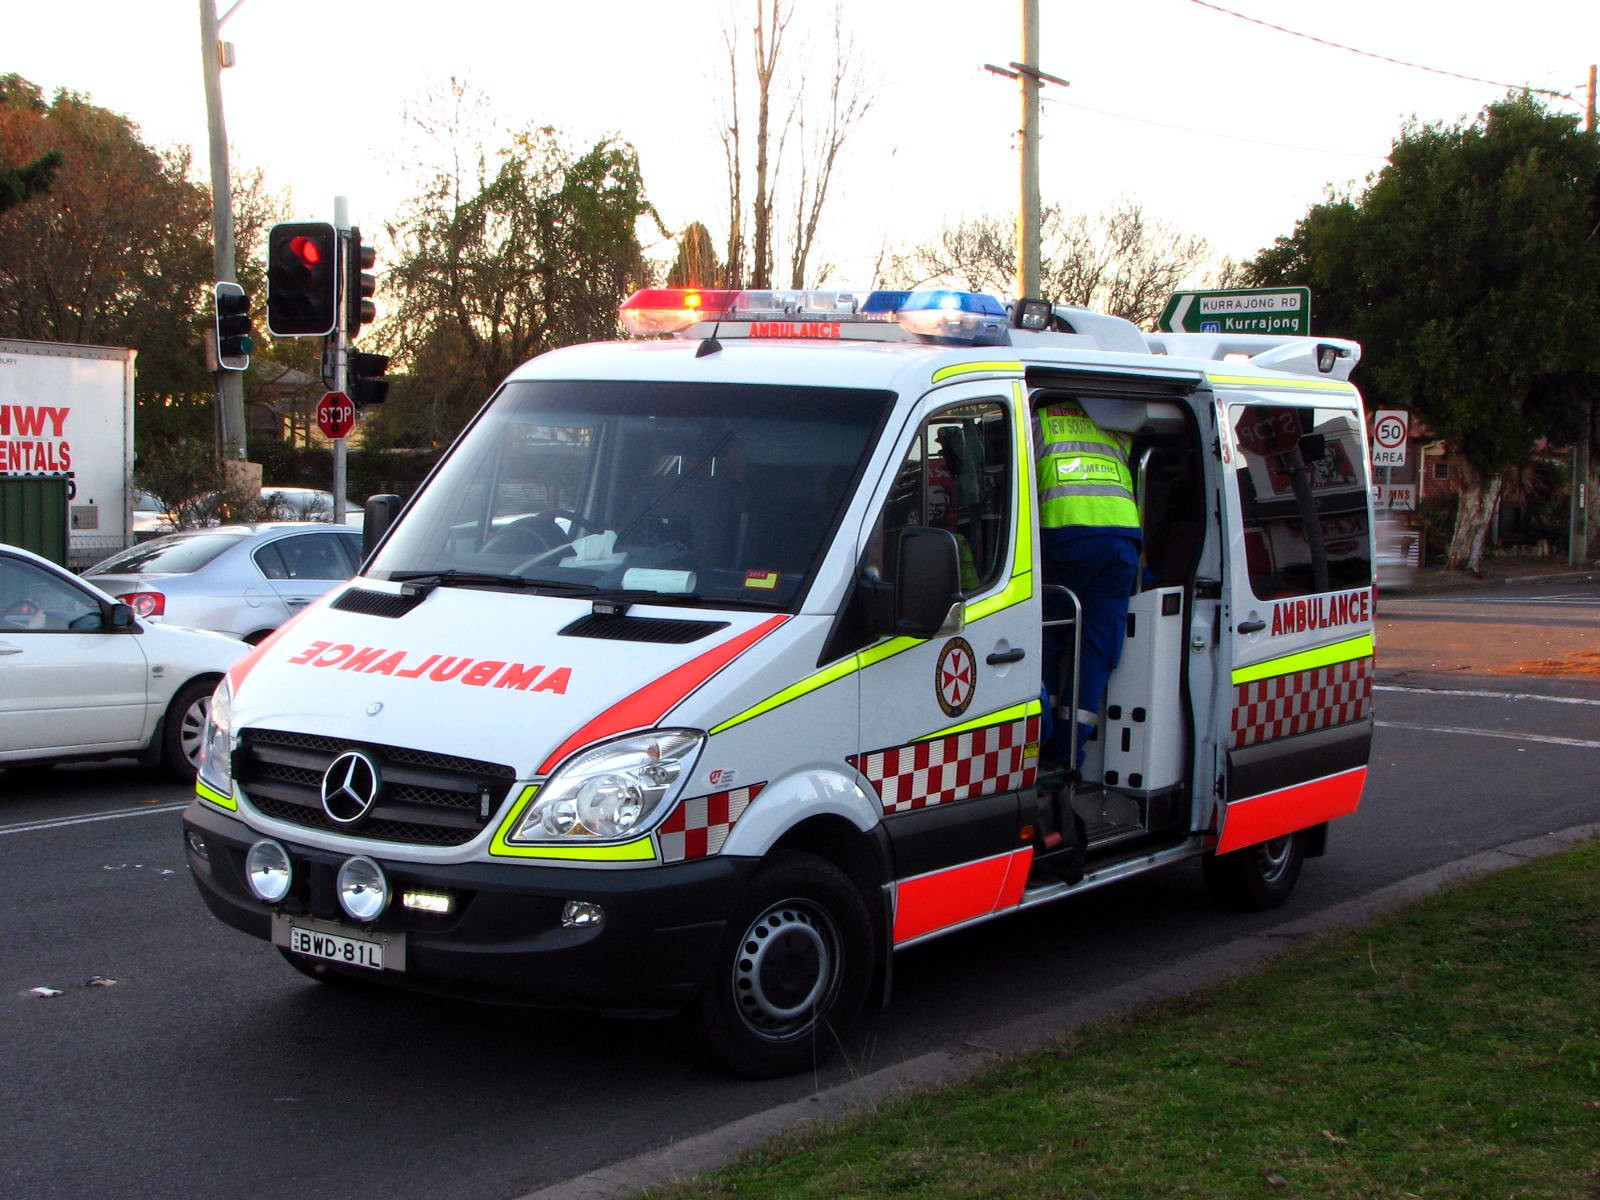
<point x="349" y="787"/>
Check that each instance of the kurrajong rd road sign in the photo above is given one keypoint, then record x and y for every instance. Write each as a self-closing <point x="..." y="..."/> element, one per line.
<point x="1240" y="310"/>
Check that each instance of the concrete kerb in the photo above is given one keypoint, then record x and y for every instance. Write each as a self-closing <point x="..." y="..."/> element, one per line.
<point x="683" y="1160"/>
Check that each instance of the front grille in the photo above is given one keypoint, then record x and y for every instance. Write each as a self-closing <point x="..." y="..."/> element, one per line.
<point x="426" y="799"/>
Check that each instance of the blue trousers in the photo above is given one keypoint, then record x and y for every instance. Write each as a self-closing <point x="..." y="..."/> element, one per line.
<point x="1100" y="569"/>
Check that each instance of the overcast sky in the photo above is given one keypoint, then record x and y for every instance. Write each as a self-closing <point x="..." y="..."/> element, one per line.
<point x="1218" y="125"/>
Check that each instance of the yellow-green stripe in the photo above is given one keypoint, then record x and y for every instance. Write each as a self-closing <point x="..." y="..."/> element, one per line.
<point x="1288" y="383"/>
<point x="1307" y="660"/>
<point x="1006" y="716"/>
<point x="945" y="374"/>
<point x="213" y="796"/>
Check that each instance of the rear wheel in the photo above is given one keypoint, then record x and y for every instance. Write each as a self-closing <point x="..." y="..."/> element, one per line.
<point x="792" y="971"/>
<point x="1258" y="877"/>
<point x="184" y="728"/>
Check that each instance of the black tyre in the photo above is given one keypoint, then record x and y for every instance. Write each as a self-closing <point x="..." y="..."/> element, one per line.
<point x="792" y="971"/>
<point x="1258" y="877"/>
<point x="184" y="728"/>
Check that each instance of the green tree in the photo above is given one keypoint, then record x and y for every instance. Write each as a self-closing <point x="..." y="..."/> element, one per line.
<point x="530" y="250"/>
<point x="1467" y="268"/>
<point x="117" y="251"/>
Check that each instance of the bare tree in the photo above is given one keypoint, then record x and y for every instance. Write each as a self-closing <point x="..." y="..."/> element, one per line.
<point x="754" y="150"/>
<point x="1121" y="262"/>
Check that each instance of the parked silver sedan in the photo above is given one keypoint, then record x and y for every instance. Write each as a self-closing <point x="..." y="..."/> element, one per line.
<point x="242" y="580"/>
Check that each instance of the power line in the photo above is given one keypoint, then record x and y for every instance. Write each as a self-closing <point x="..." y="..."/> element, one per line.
<point x="1399" y="62"/>
<point x="1116" y="116"/>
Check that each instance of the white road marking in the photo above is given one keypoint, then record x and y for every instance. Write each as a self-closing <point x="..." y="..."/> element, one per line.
<point x="1480" y="694"/>
<point x="1542" y="739"/>
<point x="118" y="815"/>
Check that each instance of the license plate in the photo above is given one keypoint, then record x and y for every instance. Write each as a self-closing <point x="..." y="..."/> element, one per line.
<point x="327" y="942"/>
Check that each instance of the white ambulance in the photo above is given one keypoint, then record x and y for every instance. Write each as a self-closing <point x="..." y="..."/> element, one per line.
<point x="704" y="672"/>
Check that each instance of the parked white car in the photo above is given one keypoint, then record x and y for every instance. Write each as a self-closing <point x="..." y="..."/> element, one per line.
<point x="81" y="677"/>
<point x="242" y="580"/>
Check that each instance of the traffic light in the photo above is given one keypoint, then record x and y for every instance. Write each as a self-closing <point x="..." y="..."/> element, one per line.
<point x="365" y="382"/>
<point x="302" y="278"/>
<point x="358" y="286"/>
<point x="232" y="307"/>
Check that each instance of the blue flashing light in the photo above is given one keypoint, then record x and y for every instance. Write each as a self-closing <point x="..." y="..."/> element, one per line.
<point x="887" y="303"/>
<point x="955" y="318"/>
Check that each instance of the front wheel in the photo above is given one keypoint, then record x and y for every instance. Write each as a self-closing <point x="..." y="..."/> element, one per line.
<point x="1258" y="877"/>
<point x="183" y="730"/>
<point x="792" y="971"/>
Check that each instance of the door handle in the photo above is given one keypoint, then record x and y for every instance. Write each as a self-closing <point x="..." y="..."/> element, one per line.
<point x="1001" y="657"/>
<point x="10" y="649"/>
<point x="1252" y="626"/>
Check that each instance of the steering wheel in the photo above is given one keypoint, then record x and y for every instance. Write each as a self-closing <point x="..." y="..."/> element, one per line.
<point x="535" y="532"/>
<point x="24" y="613"/>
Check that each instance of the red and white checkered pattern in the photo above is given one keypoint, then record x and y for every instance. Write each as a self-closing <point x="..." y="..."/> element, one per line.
<point x="1299" y="702"/>
<point x="698" y="828"/>
<point x="981" y="762"/>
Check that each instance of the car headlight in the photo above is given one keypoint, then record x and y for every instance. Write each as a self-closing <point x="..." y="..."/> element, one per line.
<point x="216" y="743"/>
<point x="612" y="791"/>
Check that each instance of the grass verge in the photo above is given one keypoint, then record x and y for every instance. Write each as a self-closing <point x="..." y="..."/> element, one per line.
<point x="1450" y="1050"/>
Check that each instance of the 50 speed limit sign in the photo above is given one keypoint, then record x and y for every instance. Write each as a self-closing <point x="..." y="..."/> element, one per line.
<point x="1389" y="429"/>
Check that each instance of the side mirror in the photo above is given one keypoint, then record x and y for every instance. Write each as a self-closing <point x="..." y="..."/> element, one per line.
<point x="377" y="515"/>
<point x="925" y="566"/>
<point x="119" y="617"/>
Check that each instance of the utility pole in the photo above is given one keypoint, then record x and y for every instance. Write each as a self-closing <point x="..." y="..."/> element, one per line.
<point x="1029" y="78"/>
<point x="1578" y="524"/>
<point x="230" y="384"/>
<point x="1028" y="195"/>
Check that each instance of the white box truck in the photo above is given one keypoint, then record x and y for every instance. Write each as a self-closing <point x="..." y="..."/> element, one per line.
<point x="67" y="410"/>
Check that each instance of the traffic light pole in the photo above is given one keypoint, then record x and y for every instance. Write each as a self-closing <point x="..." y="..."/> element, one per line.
<point x="230" y="384"/>
<point x="341" y="350"/>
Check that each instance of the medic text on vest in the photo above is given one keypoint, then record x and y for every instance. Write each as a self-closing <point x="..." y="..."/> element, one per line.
<point x="1322" y="612"/>
<point x="436" y="668"/>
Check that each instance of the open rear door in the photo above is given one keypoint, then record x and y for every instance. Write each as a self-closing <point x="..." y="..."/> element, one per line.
<point x="1298" y="638"/>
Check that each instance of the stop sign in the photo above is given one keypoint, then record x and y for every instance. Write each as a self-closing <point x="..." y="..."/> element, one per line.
<point x="336" y="416"/>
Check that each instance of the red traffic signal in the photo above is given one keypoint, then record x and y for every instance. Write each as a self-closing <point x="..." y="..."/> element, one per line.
<point x="302" y="278"/>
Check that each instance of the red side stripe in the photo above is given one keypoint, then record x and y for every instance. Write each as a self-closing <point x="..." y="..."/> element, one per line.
<point x="245" y="665"/>
<point x="944" y="898"/>
<point x="650" y="703"/>
<point x="1273" y="814"/>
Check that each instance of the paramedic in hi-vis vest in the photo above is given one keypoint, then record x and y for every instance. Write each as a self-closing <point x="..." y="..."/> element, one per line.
<point x="1089" y="533"/>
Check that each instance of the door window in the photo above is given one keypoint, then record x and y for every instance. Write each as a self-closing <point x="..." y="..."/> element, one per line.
<point x="1303" y="486"/>
<point x="957" y="477"/>
<point x="35" y="601"/>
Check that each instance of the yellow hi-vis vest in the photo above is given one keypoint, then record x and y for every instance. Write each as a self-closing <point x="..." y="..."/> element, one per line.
<point x="1083" y="471"/>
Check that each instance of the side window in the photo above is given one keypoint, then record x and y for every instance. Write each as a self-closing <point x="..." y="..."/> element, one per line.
<point x="34" y="601"/>
<point x="314" y="556"/>
<point x="1302" y="489"/>
<point x="957" y="476"/>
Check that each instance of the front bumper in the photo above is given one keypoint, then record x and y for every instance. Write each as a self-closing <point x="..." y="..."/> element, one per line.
<point x="504" y="942"/>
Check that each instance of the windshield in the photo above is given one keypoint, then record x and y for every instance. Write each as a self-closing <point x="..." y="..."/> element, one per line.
<point x="716" y="492"/>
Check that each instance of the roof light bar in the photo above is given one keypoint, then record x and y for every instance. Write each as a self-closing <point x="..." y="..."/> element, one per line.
<point x="966" y="318"/>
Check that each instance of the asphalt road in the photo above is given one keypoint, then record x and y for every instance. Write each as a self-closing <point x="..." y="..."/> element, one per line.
<point x="209" y="1067"/>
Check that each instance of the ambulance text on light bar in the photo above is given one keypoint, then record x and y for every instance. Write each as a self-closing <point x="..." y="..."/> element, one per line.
<point x="966" y="318"/>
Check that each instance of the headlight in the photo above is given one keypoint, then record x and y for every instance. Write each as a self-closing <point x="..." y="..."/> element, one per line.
<point x="216" y="744"/>
<point x="614" y="790"/>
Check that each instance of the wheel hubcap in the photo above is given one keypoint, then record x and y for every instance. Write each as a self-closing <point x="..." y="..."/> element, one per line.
<point x="785" y="968"/>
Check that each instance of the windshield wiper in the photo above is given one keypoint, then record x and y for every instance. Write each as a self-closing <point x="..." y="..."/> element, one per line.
<point x="426" y="581"/>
